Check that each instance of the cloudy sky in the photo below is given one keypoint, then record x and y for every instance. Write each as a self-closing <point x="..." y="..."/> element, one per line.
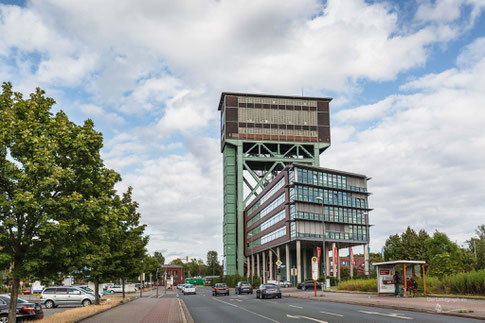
<point x="407" y="78"/>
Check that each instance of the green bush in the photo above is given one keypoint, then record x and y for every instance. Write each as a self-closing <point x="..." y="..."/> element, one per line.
<point x="466" y="283"/>
<point x="362" y="285"/>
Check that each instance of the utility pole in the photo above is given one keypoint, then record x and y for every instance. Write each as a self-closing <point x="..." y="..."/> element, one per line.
<point x="158" y="280"/>
<point x="475" y="248"/>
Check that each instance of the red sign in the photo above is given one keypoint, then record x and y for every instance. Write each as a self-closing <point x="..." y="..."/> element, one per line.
<point x="352" y="256"/>
<point x="335" y="255"/>
<point x="319" y="253"/>
<point x="384" y="272"/>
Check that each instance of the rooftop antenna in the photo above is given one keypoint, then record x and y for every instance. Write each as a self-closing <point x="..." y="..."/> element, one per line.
<point x="301" y="91"/>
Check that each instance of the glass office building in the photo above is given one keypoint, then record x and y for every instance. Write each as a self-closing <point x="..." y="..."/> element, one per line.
<point x="285" y="221"/>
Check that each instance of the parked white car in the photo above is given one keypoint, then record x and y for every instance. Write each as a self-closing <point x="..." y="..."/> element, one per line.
<point x="115" y="289"/>
<point x="188" y="289"/>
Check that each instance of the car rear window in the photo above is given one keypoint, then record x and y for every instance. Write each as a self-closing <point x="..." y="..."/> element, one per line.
<point x="220" y="285"/>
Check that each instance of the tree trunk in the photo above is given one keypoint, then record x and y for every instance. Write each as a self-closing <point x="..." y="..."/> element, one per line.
<point x="123" y="287"/>
<point x="12" y="311"/>
<point x="96" y="292"/>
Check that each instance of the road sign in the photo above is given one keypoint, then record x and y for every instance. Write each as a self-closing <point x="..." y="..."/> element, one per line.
<point x="314" y="268"/>
<point x="278" y="263"/>
<point x="294" y="272"/>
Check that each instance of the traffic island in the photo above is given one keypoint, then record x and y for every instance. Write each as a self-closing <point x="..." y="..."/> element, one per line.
<point x="462" y="307"/>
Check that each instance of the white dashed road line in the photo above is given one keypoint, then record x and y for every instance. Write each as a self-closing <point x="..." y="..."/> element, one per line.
<point x="295" y="306"/>
<point x="242" y="308"/>
<point x="393" y="315"/>
<point x="330" y="313"/>
<point x="305" y="317"/>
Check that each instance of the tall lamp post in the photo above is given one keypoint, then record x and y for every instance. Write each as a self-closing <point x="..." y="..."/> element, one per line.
<point x="252" y="258"/>
<point x="323" y="245"/>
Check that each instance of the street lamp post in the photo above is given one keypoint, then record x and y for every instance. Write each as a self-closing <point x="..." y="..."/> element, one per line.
<point x="323" y="245"/>
<point x="252" y="258"/>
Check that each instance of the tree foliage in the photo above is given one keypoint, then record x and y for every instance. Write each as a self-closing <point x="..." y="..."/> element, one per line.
<point x="58" y="209"/>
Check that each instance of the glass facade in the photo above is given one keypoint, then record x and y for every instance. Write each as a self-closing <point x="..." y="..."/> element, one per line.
<point x="321" y="178"/>
<point x="267" y="196"/>
<point x="273" y="205"/>
<point x="278" y="233"/>
<point x="310" y="194"/>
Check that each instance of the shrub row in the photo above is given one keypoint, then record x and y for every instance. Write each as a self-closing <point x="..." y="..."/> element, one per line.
<point x="470" y="283"/>
<point x="363" y="285"/>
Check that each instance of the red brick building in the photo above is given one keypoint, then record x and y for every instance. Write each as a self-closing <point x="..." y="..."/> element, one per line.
<point x="177" y="272"/>
<point x="345" y="264"/>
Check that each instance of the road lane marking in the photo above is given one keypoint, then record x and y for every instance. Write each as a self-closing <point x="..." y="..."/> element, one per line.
<point x="330" y="313"/>
<point x="242" y="308"/>
<point x="297" y="317"/>
<point x="393" y="315"/>
<point x="296" y="306"/>
<point x="272" y="302"/>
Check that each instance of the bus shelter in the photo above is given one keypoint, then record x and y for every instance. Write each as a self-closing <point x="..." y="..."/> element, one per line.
<point x="385" y="273"/>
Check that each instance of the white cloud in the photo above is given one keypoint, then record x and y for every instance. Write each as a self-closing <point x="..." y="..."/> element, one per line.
<point x="163" y="64"/>
<point x="426" y="157"/>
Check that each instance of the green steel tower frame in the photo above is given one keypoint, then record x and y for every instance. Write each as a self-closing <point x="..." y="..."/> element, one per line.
<point x="260" y="136"/>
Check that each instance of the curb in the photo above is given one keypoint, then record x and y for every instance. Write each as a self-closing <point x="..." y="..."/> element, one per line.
<point x="92" y="315"/>
<point x="393" y="307"/>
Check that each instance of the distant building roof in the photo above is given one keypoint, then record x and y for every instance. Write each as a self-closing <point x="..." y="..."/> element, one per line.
<point x="294" y="97"/>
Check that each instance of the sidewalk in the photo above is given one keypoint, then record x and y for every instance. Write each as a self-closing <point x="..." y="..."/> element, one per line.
<point x="451" y="306"/>
<point x="146" y="310"/>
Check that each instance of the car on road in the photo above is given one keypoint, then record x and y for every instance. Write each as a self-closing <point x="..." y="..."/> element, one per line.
<point x="308" y="284"/>
<point x="267" y="291"/>
<point x="115" y="289"/>
<point x="220" y="288"/>
<point x="243" y="287"/>
<point x="189" y="289"/>
<point x="55" y="296"/>
<point x="25" y="309"/>
<point x="285" y="283"/>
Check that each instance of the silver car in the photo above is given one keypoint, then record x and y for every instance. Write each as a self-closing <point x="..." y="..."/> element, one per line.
<point x="55" y="296"/>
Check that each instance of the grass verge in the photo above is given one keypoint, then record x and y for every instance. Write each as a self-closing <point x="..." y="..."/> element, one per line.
<point x="76" y="314"/>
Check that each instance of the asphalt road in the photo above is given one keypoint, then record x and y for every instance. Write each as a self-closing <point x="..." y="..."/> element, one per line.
<point x="246" y="308"/>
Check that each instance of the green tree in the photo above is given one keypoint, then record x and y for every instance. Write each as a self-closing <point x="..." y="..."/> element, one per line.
<point x="50" y="174"/>
<point x="128" y="243"/>
<point x="160" y="258"/>
<point x="409" y="246"/>
<point x="213" y="265"/>
<point x="476" y="245"/>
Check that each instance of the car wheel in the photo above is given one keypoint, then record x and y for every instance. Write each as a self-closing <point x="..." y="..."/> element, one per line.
<point x="213" y="294"/>
<point x="257" y="295"/>
<point x="86" y="302"/>
<point x="304" y="287"/>
<point x="251" y="292"/>
<point x="279" y="296"/>
<point x="262" y="296"/>
<point x="3" y="319"/>
<point x="49" y="304"/>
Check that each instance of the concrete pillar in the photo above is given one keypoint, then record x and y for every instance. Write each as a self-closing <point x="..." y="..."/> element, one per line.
<point x="351" y="265"/>
<point x="366" y="260"/>
<point x="249" y="266"/>
<point x="287" y="261"/>
<point x="327" y="261"/>
<point x="279" y="258"/>
<point x="252" y="265"/>
<point x="298" y="260"/>
<point x="270" y="253"/>
<point x="259" y="266"/>
<point x="339" y="265"/>
<point x="334" y="267"/>
<point x="304" y="264"/>
<point x="264" y="267"/>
